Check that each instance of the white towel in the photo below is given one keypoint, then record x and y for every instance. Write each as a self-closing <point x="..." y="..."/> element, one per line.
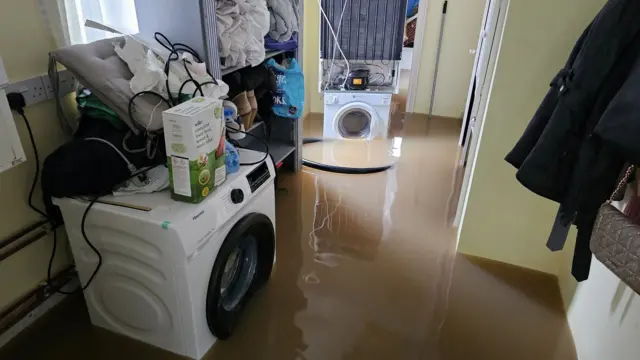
<point x="242" y="25"/>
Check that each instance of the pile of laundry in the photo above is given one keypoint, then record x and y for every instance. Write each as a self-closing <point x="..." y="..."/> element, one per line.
<point x="117" y="145"/>
<point x="283" y="30"/>
<point x="242" y="25"/>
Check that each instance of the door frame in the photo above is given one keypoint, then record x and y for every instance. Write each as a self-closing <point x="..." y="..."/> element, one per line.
<point x="416" y="57"/>
<point x="475" y="139"/>
<point x="467" y="108"/>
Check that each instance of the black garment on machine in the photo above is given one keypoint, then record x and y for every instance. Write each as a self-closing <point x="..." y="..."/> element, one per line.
<point x="570" y="152"/>
<point x="93" y="168"/>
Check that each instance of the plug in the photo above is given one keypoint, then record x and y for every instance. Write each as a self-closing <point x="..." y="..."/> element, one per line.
<point x="16" y="102"/>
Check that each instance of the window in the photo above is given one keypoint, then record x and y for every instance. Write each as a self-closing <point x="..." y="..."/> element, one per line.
<point x="66" y="18"/>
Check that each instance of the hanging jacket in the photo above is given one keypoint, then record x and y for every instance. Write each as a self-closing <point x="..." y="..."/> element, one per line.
<point x="559" y="156"/>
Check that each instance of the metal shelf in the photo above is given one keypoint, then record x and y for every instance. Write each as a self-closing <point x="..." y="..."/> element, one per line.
<point x="268" y="55"/>
<point x="278" y="149"/>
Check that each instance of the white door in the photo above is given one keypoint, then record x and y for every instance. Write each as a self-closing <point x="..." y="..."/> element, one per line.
<point x="486" y="57"/>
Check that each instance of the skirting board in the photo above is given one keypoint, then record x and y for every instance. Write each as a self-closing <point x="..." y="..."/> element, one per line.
<point x="36" y="313"/>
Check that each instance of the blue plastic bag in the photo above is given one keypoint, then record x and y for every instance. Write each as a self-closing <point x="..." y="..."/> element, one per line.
<point x="288" y="101"/>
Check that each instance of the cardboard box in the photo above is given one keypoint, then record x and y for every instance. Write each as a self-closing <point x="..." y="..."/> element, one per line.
<point x="194" y="138"/>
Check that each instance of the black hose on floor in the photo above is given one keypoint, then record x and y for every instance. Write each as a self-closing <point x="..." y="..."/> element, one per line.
<point x="339" y="169"/>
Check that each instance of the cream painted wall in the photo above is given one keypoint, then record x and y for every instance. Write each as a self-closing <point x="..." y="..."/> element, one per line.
<point x="461" y="31"/>
<point x="504" y="221"/>
<point x="464" y="19"/>
<point x="24" y="45"/>
<point x="311" y="51"/>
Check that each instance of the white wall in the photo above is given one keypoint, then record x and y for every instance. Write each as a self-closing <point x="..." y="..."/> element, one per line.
<point x="604" y="316"/>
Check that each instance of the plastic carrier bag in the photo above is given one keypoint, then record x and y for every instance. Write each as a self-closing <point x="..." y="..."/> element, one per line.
<point x="288" y="101"/>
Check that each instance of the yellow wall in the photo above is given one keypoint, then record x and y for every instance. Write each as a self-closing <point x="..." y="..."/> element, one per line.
<point x="504" y="221"/>
<point x="464" y="18"/>
<point x="24" y="45"/>
<point x="311" y="54"/>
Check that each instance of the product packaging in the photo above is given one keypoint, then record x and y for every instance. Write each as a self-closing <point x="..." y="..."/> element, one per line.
<point x="194" y="138"/>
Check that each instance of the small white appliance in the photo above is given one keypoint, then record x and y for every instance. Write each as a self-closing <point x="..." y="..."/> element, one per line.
<point x="356" y="114"/>
<point x="177" y="275"/>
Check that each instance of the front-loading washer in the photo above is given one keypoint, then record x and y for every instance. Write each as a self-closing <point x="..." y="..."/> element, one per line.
<point x="356" y="114"/>
<point x="177" y="275"/>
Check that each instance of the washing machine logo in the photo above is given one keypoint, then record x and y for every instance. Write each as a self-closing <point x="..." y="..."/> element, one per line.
<point x="198" y="215"/>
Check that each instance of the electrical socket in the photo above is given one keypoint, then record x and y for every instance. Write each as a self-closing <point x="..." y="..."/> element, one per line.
<point x="32" y="89"/>
<point x="67" y="84"/>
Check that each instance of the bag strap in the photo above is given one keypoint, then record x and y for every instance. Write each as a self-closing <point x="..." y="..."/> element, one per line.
<point x="622" y="184"/>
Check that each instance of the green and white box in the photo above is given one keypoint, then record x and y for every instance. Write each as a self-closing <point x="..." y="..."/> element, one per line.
<point x="194" y="137"/>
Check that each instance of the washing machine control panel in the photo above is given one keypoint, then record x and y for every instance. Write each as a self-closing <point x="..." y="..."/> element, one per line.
<point x="258" y="177"/>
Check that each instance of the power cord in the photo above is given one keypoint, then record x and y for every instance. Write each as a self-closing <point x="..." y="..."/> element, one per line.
<point x="86" y="239"/>
<point x="264" y="142"/>
<point x="17" y="103"/>
<point x="175" y="49"/>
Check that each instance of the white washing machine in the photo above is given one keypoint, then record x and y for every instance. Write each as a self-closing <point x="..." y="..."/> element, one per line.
<point x="356" y="114"/>
<point x="177" y="275"/>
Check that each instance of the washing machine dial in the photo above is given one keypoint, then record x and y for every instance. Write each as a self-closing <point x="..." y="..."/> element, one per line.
<point x="237" y="196"/>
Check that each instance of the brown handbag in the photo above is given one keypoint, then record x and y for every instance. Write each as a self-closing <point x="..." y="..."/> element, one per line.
<point x="615" y="240"/>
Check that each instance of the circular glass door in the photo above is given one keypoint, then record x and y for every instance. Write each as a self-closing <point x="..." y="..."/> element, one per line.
<point x="354" y="123"/>
<point x="242" y="266"/>
<point x="238" y="273"/>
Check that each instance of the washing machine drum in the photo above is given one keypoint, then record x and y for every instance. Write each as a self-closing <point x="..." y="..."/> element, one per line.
<point x="355" y="120"/>
<point x="243" y="266"/>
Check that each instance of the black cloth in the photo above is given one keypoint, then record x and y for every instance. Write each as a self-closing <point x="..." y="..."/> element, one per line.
<point x="83" y="167"/>
<point x="561" y="156"/>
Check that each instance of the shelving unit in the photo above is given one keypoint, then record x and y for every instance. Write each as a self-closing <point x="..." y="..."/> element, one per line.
<point x="279" y="136"/>
<point x="194" y="23"/>
<point x="267" y="56"/>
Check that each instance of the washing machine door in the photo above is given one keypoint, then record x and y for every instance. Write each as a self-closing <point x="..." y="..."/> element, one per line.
<point x="355" y="121"/>
<point x="242" y="266"/>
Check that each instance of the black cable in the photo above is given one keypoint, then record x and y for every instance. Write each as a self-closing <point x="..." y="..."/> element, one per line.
<point x="37" y="159"/>
<point x="130" y="107"/>
<point x="199" y="86"/>
<point x="340" y="169"/>
<point x="266" y="145"/>
<point x="184" y="63"/>
<point x="174" y="54"/>
<point x="86" y="239"/>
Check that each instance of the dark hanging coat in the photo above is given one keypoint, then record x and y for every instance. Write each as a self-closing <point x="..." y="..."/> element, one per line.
<point x="561" y="156"/>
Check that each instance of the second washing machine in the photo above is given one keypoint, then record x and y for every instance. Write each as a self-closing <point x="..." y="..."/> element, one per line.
<point x="356" y="114"/>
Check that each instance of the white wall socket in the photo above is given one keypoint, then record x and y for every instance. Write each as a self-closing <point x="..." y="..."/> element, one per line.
<point x="38" y="88"/>
<point x="67" y="84"/>
<point x="32" y="89"/>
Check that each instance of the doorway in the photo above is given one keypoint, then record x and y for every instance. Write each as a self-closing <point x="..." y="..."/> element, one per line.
<point x="478" y="96"/>
<point x="414" y="24"/>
